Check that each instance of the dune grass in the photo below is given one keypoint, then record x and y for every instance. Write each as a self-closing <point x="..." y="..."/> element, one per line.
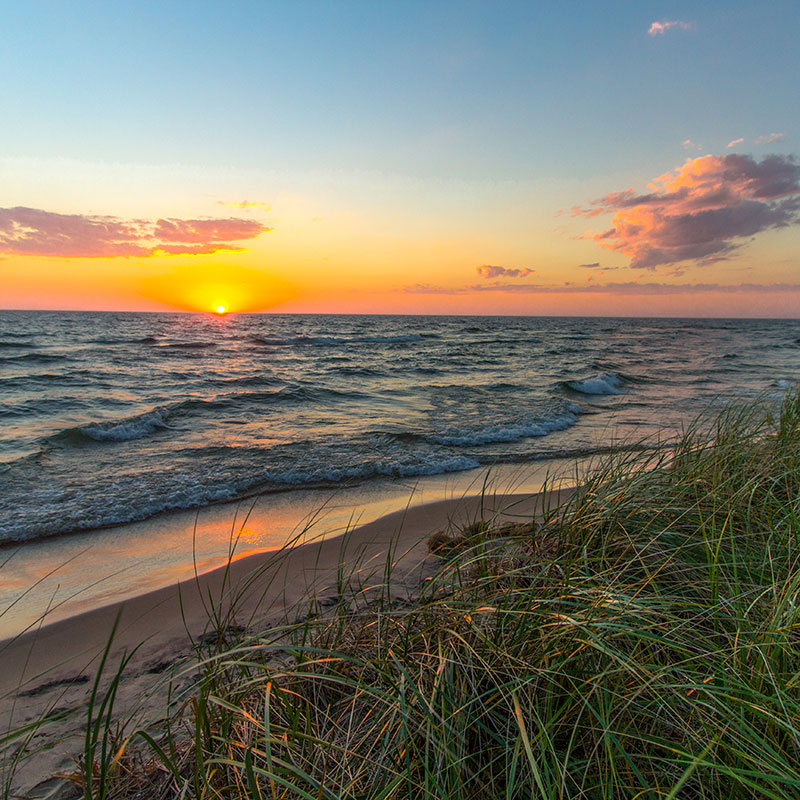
<point x="642" y="640"/>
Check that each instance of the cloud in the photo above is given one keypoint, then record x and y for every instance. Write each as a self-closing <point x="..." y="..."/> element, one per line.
<point x="427" y="288"/>
<point x="619" y="288"/>
<point x="688" y="145"/>
<point x="735" y="142"/>
<point x="660" y="28"/>
<point x="488" y="271"/>
<point x="697" y="212"/>
<point x="33" y="232"/>
<point x="593" y="265"/>
<point x="770" y="138"/>
<point x="245" y="204"/>
<point x="635" y="288"/>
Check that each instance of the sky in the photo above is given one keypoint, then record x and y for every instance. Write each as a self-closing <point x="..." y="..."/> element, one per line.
<point x="556" y="158"/>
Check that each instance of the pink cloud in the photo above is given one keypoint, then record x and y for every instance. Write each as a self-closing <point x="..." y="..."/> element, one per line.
<point x="735" y="142"/>
<point x="489" y="271"/>
<point x="206" y="230"/>
<point x="697" y="212"/>
<point x="660" y="28"/>
<point x="31" y="231"/>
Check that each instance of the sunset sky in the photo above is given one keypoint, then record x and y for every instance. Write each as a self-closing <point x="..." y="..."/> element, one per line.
<point x="628" y="158"/>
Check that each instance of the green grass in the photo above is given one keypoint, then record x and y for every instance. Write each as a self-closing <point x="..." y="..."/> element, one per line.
<point x="642" y="641"/>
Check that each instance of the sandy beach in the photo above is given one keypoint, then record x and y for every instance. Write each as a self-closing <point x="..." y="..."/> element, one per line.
<point x="54" y="667"/>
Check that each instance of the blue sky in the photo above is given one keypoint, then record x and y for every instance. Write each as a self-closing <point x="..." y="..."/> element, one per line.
<point x="376" y="107"/>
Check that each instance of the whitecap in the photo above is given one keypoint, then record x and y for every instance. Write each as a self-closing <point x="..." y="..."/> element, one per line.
<point x="607" y="383"/>
<point x="126" y="429"/>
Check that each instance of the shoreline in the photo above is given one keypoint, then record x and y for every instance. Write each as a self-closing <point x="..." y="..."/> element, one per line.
<point x="58" y="577"/>
<point x="331" y="488"/>
<point x="54" y="666"/>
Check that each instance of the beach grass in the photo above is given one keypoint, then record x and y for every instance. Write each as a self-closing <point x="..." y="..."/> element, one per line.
<point x="639" y="640"/>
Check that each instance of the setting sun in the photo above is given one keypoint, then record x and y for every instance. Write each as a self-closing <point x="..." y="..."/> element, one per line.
<point x="220" y="309"/>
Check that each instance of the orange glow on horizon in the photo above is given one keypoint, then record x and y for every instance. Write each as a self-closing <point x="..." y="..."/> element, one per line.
<point x="217" y="288"/>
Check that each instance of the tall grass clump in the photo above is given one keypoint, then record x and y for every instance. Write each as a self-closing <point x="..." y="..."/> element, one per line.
<point x="641" y="639"/>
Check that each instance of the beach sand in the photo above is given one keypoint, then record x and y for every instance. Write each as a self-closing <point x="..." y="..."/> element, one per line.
<point x="54" y="667"/>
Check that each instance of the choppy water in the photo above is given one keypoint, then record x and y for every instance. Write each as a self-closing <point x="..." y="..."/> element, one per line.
<point x="110" y="417"/>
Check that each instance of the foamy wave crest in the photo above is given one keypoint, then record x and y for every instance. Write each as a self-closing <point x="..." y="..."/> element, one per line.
<point x="607" y="383"/>
<point x="434" y="465"/>
<point x="131" y="428"/>
<point x="782" y="383"/>
<point x="509" y="433"/>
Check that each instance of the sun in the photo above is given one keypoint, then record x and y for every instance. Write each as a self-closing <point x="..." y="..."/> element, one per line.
<point x="220" y="309"/>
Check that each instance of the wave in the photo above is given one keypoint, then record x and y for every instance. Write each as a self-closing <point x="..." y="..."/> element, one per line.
<point x="359" y="372"/>
<point x="512" y="432"/>
<point x="286" y="394"/>
<point x="430" y="465"/>
<point x="36" y="358"/>
<point x="782" y="383"/>
<point x="5" y="345"/>
<point x="21" y="525"/>
<point x="603" y="384"/>
<point x="124" y="340"/>
<point x="19" y="334"/>
<point x="302" y="339"/>
<point x="187" y="345"/>
<point x="122" y="430"/>
<point x="143" y="424"/>
<point x="245" y="380"/>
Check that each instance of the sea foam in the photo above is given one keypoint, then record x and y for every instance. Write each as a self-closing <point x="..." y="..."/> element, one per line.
<point x="604" y="384"/>
<point x="126" y="429"/>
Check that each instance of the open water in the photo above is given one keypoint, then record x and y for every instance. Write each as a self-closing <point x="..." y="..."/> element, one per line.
<point x="111" y="417"/>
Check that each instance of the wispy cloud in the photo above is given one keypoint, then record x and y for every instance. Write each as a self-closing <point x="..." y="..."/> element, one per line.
<point x="619" y="288"/>
<point x="690" y="146"/>
<point x="489" y="271"/>
<point x="33" y="232"/>
<point x="427" y="288"/>
<point x="660" y="28"/>
<point x="635" y="288"/>
<point x="697" y="212"/>
<point x="245" y="204"/>
<point x="735" y="142"/>
<point x="770" y="138"/>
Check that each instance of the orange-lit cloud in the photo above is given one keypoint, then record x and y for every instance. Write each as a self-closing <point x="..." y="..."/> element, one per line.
<point x="660" y="28"/>
<point x="697" y="213"/>
<point x="33" y="232"/>
<point x="489" y="271"/>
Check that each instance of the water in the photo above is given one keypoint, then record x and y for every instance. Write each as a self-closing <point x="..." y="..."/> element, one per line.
<point x="111" y="417"/>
